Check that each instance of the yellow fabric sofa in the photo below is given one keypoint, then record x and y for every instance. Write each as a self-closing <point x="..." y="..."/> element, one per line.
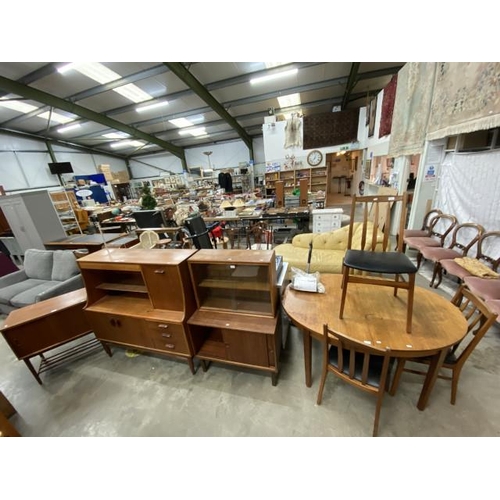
<point x="328" y="249"/>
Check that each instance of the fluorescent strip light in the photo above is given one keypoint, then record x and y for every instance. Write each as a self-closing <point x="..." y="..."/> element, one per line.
<point x="116" y="135"/>
<point x="274" y="76"/>
<point x="133" y="92"/>
<point x="101" y="74"/>
<point x="275" y="64"/>
<point x="181" y="122"/>
<point x="195" y="132"/>
<point x="63" y="130"/>
<point x="55" y="117"/>
<point x="149" y="107"/>
<point x="17" y="105"/>
<point x="286" y="101"/>
<point x="127" y="144"/>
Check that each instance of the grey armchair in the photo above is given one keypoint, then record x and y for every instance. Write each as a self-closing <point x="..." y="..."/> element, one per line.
<point x="46" y="274"/>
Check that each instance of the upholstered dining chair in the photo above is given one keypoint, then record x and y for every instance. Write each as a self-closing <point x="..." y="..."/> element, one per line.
<point x="479" y="318"/>
<point x="487" y="241"/>
<point x="425" y="230"/>
<point x="494" y="306"/>
<point x="464" y="237"/>
<point x="364" y="366"/>
<point x="440" y="226"/>
<point x="369" y="260"/>
<point x="486" y="288"/>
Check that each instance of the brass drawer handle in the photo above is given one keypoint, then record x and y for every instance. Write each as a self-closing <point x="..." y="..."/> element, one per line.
<point x="162" y="325"/>
<point x="166" y="335"/>
<point x="159" y="271"/>
<point x="170" y="346"/>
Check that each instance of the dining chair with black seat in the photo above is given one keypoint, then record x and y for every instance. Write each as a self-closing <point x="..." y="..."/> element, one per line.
<point x="364" y="366"/>
<point x="464" y="237"/>
<point x="484" y="261"/>
<point x="368" y="259"/>
<point x="441" y="226"/>
<point x="425" y="230"/>
<point x="479" y="318"/>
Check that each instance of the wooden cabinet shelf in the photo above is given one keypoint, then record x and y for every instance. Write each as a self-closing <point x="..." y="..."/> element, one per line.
<point x="141" y="299"/>
<point x="237" y="318"/>
<point x="317" y="177"/>
<point x="123" y="287"/>
<point x="239" y="285"/>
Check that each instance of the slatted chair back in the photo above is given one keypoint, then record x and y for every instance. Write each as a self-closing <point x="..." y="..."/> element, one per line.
<point x="479" y="319"/>
<point x="376" y="212"/>
<point x="361" y="365"/>
<point x="368" y="258"/>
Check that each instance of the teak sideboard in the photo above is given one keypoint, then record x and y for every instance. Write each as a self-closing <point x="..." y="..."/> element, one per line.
<point x="237" y="320"/>
<point x="140" y="299"/>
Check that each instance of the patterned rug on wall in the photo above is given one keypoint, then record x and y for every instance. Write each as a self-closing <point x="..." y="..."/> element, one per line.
<point x="330" y="129"/>
<point x="411" y="108"/>
<point x="388" y="107"/>
<point x="466" y="98"/>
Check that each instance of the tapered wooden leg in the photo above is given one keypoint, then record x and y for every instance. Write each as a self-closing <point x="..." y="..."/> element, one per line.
<point x="204" y="365"/>
<point x="274" y="378"/>
<point x="345" y="281"/>
<point x="397" y="375"/>
<point x="191" y="365"/>
<point x="411" y="293"/>
<point x="33" y="371"/>
<point x="430" y="379"/>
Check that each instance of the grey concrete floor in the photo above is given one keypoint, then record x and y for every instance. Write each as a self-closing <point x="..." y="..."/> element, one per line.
<point x="153" y="396"/>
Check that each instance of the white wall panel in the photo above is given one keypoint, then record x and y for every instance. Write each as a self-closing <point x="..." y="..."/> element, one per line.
<point x="116" y="164"/>
<point x="36" y="169"/>
<point x="11" y="175"/>
<point x="225" y="155"/>
<point x="14" y="143"/>
<point x="155" y="166"/>
<point x="82" y="163"/>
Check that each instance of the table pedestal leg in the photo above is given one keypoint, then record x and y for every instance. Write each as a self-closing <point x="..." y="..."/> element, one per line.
<point x="430" y="379"/>
<point x="307" y="357"/>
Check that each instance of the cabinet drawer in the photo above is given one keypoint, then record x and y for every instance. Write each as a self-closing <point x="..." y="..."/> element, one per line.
<point x="166" y="336"/>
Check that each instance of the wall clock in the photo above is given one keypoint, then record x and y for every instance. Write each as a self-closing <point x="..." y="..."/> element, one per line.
<point x="314" y="158"/>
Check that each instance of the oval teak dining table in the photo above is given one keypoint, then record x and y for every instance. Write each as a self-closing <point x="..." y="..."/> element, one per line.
<point x="374" y="315"/>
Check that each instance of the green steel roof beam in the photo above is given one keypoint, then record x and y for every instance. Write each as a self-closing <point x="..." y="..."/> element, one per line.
<point x="351" y="82"/>
<point x="189" y="79"/>
<point x="56" y="102"/>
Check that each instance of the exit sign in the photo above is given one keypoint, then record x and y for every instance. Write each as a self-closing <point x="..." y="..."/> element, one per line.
<point x="344" y="148"/>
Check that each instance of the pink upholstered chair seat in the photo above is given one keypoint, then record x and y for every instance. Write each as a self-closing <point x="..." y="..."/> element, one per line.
<point x="494" y="305"/>
<point x="419" y="233"/>
<point x="486" y="288"/>
<point x="438" y="253"/>
<point x="451" y="267"/>
<point x="422" y="241"/>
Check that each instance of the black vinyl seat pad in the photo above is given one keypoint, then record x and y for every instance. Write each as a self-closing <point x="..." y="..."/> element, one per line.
<point x="379" y="262"/>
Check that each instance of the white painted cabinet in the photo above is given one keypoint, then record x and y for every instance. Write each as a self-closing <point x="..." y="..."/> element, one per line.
<point x="326" y="219"/>
<point x="32" y="219"/>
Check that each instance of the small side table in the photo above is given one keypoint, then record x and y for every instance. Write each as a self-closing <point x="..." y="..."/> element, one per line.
<point x="35" y="329"/>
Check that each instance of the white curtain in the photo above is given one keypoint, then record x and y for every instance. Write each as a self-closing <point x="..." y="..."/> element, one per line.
<point x="469" y="188"/>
